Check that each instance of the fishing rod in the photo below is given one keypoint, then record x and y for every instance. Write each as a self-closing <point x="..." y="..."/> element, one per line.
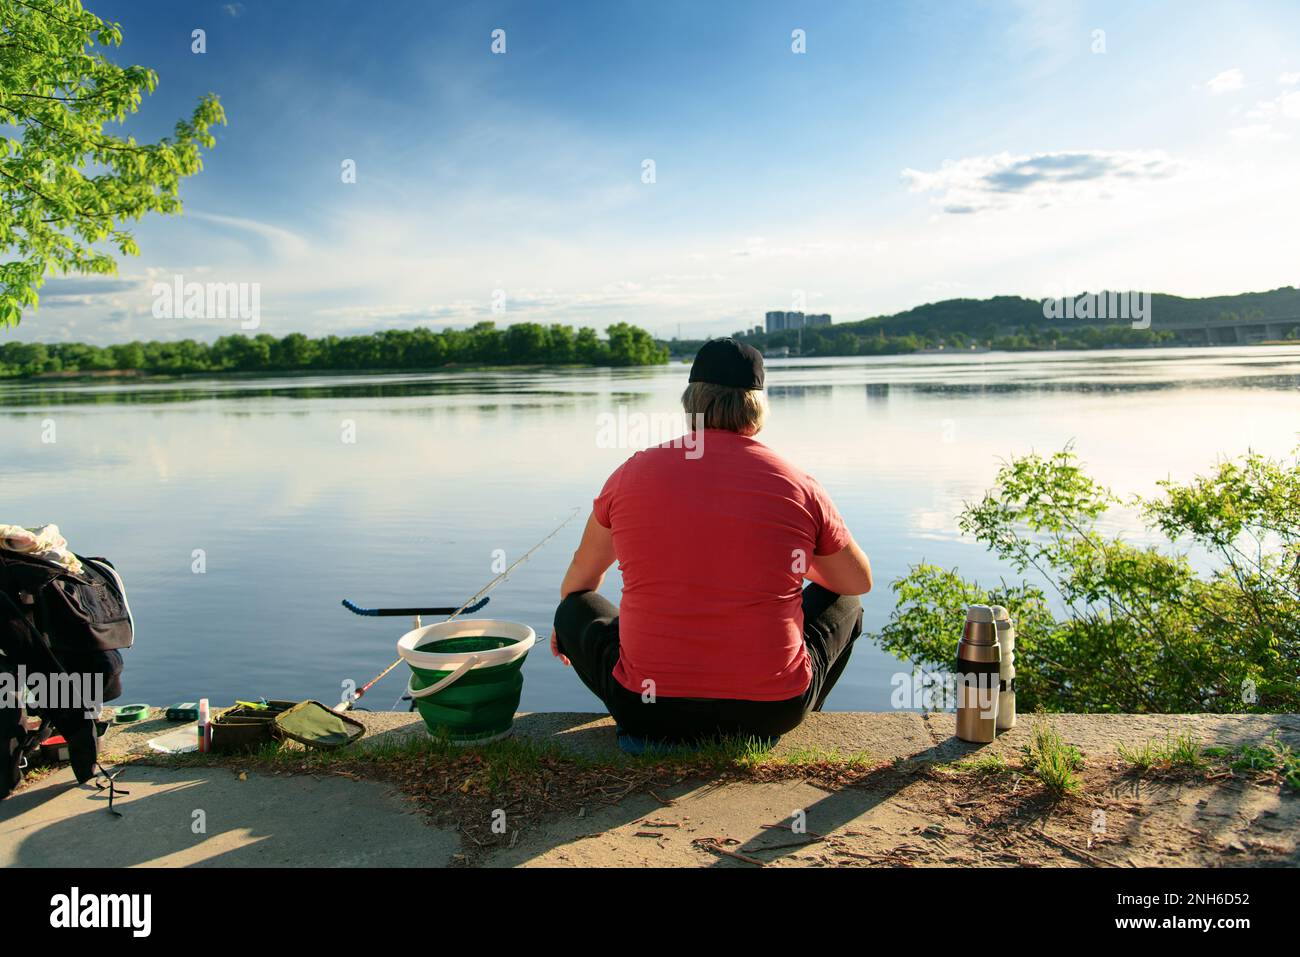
<point x="481" y="593"/>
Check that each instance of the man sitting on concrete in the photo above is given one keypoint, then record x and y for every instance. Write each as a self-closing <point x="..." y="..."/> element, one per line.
<point x="714" y="537"/>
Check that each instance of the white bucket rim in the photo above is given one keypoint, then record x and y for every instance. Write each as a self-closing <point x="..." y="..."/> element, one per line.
<point x="410" y="646"/>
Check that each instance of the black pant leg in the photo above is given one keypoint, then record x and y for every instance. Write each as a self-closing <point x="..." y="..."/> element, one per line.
<point x="831" y="623"/>
<point x="586" y="627"/>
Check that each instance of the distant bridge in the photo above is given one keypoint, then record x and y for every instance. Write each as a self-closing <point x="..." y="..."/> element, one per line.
<point x="1230" y="331"/>
<point x="1212" y="332"/>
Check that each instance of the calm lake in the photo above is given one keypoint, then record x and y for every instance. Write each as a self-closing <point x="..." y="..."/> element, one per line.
<point x="290" y="494"/>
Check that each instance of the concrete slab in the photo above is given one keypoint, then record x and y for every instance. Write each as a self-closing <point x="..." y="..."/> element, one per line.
<point x="1098" y="734"/>
<point x="905" y="735"/>
<point x="884" y="736"/>
<point x="255" y="821"/>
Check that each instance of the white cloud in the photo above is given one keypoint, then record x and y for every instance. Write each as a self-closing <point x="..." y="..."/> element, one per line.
<point x="1258" y="133"/>
<point x="282" y="242"/>
<point x="980" y="183"/>
<point x="1270" y="118"/>
<point x="1286" y="106"/>
<point x="757" y="248"/>
<point x="589" y="306"/>
<point x="1288" y="79"/>
<point x="1227" y="81"/>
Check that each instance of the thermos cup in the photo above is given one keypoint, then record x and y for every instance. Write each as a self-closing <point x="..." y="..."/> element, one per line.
<point x="978" y="675"/>
<point x="1006" y="631"/>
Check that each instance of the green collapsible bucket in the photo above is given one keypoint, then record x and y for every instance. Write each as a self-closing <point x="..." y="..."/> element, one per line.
<point x="466" y="676"/>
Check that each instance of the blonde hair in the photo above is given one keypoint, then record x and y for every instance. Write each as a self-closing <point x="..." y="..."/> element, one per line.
<point x="725" y="407"/>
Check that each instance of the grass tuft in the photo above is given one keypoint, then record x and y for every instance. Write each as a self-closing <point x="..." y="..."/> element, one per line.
<point x="491" y="766"/>
<point x="1055" y="763"/>
<point x="984" y="764"/>
<point x="1272" y="758"/>
<point x="819" y="757"/>
<point x="1178" y="752"/>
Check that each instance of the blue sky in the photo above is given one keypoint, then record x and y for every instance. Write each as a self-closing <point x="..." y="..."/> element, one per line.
<point x="916" y="151"/>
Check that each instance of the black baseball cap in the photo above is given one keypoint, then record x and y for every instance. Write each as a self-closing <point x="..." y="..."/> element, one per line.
<point x="728" y="362"/>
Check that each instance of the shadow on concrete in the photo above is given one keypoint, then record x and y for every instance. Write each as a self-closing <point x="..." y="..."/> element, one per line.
<point x="900" y="742"/>
<point x="846" y="804"/>
<point x="584" y="734"/>
<point x="214" y="818"/>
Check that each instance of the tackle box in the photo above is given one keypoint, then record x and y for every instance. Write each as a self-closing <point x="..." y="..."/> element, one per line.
<point x="242" y="728"/>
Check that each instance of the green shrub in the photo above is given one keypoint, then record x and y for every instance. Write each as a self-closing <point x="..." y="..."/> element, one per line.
<point x="1107" y="626"/>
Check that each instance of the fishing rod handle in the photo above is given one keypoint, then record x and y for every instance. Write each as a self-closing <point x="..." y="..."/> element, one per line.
<point x="409" y="612"/>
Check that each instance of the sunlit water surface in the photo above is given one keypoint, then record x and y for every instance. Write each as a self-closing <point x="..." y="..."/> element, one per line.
<point x="258" y="479"/>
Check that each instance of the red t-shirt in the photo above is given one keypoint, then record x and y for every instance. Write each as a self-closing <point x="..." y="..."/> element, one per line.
<point x="713" y="542"/>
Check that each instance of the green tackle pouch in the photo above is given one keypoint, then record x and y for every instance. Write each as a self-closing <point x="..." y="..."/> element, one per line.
<point x="313" y="724"/>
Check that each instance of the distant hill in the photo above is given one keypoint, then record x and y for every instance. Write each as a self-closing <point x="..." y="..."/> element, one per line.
<point x="1004" y="314"/>
<point x="1013" y="322"/>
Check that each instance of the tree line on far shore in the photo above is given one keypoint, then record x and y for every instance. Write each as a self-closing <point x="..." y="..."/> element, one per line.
<point x="524" y="343"/>
<point x="852" y="341"/>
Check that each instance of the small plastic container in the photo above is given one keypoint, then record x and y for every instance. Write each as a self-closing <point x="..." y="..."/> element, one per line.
<point x="183" y="712"/>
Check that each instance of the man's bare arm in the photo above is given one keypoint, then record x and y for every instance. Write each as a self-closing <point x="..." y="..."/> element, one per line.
<point x="847" y="572"/>
<point x="590" y="562"/>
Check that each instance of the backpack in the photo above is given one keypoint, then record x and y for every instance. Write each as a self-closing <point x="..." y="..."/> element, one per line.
<point x="79" y="614"/>
<point x="58" y="623"/>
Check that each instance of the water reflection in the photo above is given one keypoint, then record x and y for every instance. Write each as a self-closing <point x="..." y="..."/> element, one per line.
<point x="1274" y="368"/>
<point x="798" y="391"/>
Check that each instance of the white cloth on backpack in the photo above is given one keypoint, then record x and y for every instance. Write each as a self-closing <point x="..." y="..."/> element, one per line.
<point x="43" y="542"/>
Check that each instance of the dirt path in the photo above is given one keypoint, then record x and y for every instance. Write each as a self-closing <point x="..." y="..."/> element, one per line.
<point x="925" y="817"/>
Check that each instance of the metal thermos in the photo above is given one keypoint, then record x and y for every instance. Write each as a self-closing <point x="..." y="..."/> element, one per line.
<point x="1006" y="631"/>
<point x="978" y="674"/>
